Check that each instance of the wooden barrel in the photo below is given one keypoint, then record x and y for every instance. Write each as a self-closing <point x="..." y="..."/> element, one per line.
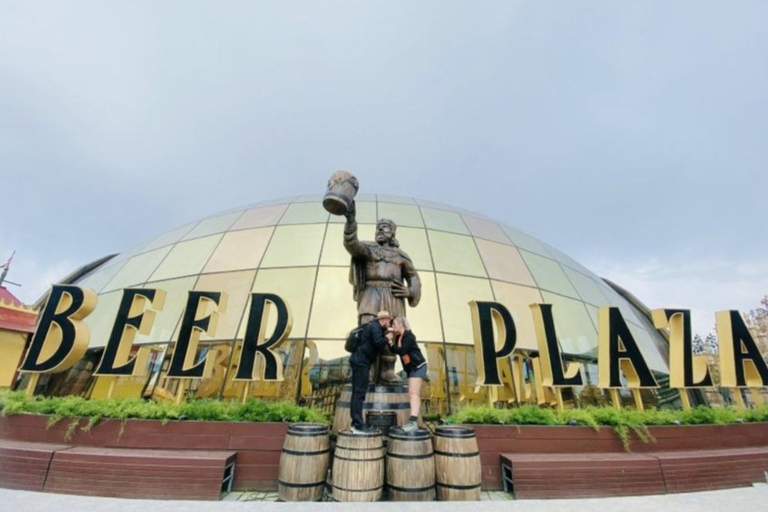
<point x="457" y="464"/>
<point x="410" y="466"/>
<point x="304" y="462"/>
<point x="358" y="467"/>
<point x="378" y="398"/>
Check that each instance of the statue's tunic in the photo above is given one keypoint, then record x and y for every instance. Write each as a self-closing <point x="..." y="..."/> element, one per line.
<point x="374" y="268"/>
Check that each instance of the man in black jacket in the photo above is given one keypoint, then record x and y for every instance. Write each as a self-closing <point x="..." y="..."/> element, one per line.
<point x="372" y="340"/>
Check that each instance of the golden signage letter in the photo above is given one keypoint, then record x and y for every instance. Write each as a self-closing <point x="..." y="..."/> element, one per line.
<point x="484" y="316"/>
<point x="553" y="372"/>
<point x="618" y="352"/>
<point x="196" y="320"/>
<point x="131" y="318"/>
<point x="61" y="337"/>
<point x="741" y="364"/>
<point x="255" y="332"/>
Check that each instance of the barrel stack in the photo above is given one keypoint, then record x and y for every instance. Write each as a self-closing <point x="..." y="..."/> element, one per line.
<point x="458" y="471"/>
<point x="304" y="462"/>
<point x="358" y="467"/>
<point x="380" y="399"/>
<point x="410" y="466"/>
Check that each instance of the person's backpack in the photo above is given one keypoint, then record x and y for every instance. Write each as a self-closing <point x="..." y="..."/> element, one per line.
<point x="353" y="339"/>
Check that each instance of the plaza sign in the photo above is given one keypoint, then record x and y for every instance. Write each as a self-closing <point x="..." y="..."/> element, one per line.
<point x="62" y="338"/>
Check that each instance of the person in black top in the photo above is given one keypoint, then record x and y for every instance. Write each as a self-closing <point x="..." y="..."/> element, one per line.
<point x="372" y="340"/>
<point x="415" y="366"/>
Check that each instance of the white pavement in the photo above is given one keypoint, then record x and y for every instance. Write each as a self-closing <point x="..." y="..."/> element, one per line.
<point x="747" y="499"/>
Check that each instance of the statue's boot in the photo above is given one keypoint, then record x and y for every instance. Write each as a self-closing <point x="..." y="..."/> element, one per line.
<point x="387" y="375"/>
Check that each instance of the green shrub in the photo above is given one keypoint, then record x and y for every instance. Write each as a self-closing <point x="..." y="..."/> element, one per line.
<point x="137" y="408"/>
<point x="625" y="422"/>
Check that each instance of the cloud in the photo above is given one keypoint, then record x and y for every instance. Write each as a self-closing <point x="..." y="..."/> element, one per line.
<point x="704" y="285"/>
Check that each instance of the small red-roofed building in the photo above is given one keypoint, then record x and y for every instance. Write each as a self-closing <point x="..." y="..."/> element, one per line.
<point x="17" y="321"/>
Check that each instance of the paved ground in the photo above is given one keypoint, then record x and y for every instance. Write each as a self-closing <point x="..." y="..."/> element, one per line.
<point x="749" y="499"/>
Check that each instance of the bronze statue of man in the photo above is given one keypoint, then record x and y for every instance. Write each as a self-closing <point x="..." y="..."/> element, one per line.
<point x="383" y="277"/>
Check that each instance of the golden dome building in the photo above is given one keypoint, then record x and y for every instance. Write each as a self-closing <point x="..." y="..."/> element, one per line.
<point x="293" y="248"/>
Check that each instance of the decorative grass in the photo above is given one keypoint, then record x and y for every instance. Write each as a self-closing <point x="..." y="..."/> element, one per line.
<point x="623" y="421"/>
<point x="135" y="408"/>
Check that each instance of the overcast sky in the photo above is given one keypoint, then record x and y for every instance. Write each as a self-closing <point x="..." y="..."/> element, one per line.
<point x="631" y="135"/>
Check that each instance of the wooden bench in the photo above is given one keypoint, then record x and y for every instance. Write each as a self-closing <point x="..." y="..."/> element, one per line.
<point x="706" y="470"/>
<point x="127" y="473"/>
<point x="24" y="465"/>
<point x="613" y="474"/>
<point x="581" y="475"/>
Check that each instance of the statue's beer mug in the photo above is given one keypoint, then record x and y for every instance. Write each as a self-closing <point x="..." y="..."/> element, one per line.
<point x="342" y="189"/>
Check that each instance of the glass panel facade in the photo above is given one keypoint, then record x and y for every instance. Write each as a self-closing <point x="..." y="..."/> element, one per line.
<point x="365" y="213"/>
<point x="304" y="213"/>
<point x="402" y="214"/>
<point x="334" y="252"/>
<point x="137" y="270"/>
<point x="575" y="330"/>
<point x="165" y="327"/>
<point x="237" y="285"/>
<point x="260" y="217"/>
<point x="549" y="275"/>
<point x="486" y="229"/>
<point x="414" y="242"/>
<point x="186" y="258"/>
<point x="524" y="241"/>
<point x="425" y="318"/>
<point x="239" y="250"/>
<point x="168" y="238"/>
<point x="334" y="312"/>
<point x="294" y="246"/>
<point x="587" y="288"/>
<point x="503" y="262"/>
<point x="455" y="293"/>
<point x="294" y="286"/>
<point x="455" y="254"/>
<point x="518" y="300"/>
<point x="213" y="225"/>
<point x="444" y="220"/>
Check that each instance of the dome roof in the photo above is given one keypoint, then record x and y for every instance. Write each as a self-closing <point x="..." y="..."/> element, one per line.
<point x="293" y="247"/>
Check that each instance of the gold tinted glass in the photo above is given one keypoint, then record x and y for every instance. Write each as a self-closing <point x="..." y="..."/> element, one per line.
<point x="98" y="279"/>
<point x="425" y="318"/>
<point x="186" y="258"/>
<point x="575" y="331"/>
<point x="455" y="293"/>
<point x="587" y="288"/>
<point x="237" y="285"/>
<point x="168" y="238"/>
<point x="294" y="286"/>
<point x="294" y="246"/>
<point x="402" y="214"/>
<point x="260" y="217"/>
<point x="365" y="213"/>
<point x="455" y="254"/>
<point x="504" y="262"/>
<point x="136" y="270"/>
<point x="101" y="320"/>
<point x="485" y="229"/>
<point x="334" y="312"/>
<point x="548" y="274"/>
<point x="444" y="220"/>
<point x="213" y="225"/>
<point x="524" y="241"/>
<point x="304" y="213"/>
<point x="414" y="242"/>
<point x="517" y="299"/>
<point x="239" y="250"/>
<point x="165" y="327"/>
<point x="334" y="252"/>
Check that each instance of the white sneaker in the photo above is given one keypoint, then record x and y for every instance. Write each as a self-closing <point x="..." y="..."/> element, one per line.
<point x="411" y="426"/>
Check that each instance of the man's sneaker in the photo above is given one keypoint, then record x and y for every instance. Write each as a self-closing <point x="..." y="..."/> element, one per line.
<point x="411" y="426"/>
<point x="363" y="430"/>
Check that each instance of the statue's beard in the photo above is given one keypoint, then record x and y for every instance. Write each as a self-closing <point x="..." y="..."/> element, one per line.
<point x="382" y="239"/>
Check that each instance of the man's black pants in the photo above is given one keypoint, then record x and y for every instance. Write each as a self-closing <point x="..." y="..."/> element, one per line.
<point x="360" y="375"/>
